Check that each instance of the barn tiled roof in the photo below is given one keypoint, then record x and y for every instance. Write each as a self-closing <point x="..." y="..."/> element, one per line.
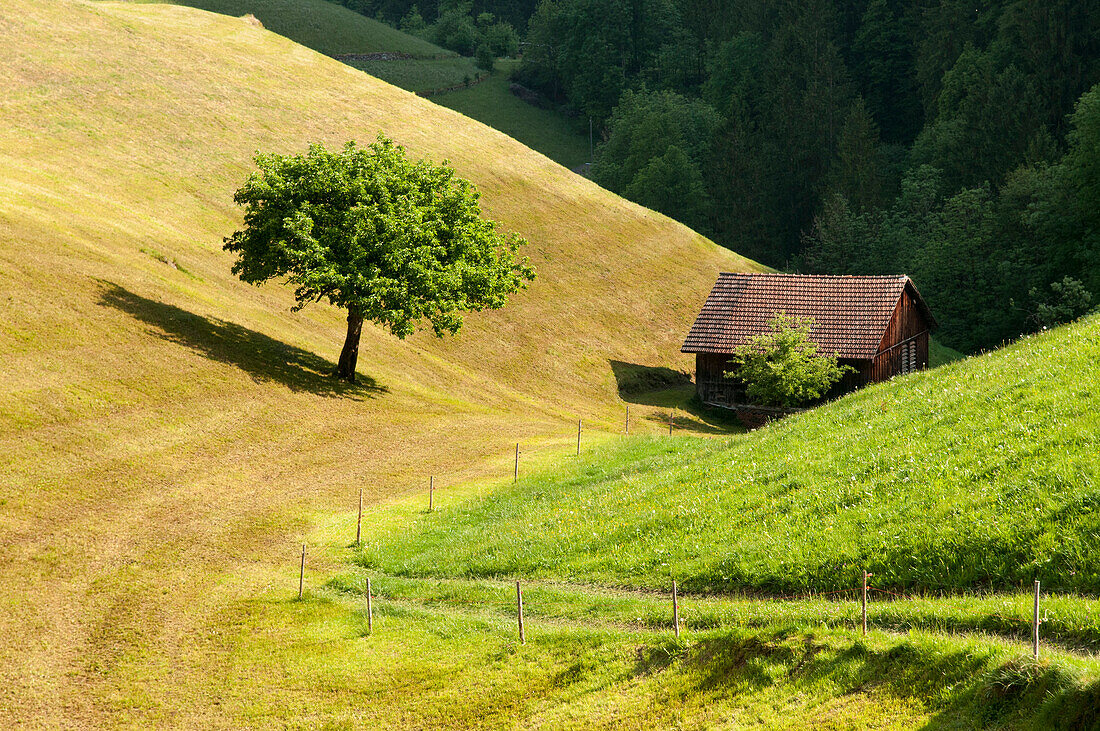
<point x="850" y="313"/>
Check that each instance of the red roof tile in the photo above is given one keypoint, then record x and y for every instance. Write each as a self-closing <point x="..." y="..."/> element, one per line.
<point x="850" y="313"/>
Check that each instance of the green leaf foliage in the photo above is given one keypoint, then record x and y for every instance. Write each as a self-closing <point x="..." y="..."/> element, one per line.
<point x="673" y="185"/>
<point x="1081" y="177"/>
<point x="390" y="239"/>
<point x="660" y="142"/>
<point x="781" y="367"/>
<point x="858" y="171"/>
<point x="815" y="99"/>
<point x="645" y="126"/>
<point x="485" y="59"/>
<point x="1069" y="301"/>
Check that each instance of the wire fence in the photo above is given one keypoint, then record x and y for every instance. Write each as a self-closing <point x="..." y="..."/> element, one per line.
<point x="571" y="444"/>
<point x="679" y="613"/>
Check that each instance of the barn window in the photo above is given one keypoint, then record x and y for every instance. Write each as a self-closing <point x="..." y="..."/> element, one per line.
<point x="908" y="357"/>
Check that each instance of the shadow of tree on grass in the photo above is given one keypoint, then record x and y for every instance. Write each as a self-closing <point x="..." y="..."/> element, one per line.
<point x="262" y="357"/>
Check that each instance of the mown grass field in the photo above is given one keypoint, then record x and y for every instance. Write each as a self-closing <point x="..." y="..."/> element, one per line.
<point x="334" y="30"/>
<point x="978" y="475"/>
<point x="168" y="434"/>
<point x="323" y="26"/>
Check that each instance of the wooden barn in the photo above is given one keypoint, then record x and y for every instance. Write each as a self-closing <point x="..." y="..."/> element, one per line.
<point x="879" y="325"/>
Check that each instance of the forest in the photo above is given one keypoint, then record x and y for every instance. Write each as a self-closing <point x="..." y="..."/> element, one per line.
<point x="957" y="141"/>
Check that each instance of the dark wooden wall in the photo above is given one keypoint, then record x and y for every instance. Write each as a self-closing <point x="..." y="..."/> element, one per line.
<point x="711" y="385"/>
<point x="904" y="346"/>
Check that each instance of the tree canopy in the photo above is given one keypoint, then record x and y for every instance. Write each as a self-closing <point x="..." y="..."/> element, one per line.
<point x="391" y="240"/>
<point x="822" y="110"/>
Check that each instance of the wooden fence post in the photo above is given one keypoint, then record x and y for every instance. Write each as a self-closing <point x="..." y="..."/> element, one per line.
<point x="515" y="477"/>
<point x="302" y="573"/>
<point x="675" y="610"/>
<point x="1035" y="625"/>
<point x="370" y="610"/>
<point x="865" y="575"/>
<point x="359" y="520"/>
<point x="431" y="493"/>
<point x="519" y="612"/>
<point x="628" y="418"/>
<point x="670" y="423"/>
<point x="578" y="437"/>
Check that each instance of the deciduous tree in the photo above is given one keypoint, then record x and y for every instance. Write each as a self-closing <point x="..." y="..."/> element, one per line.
<point x="391" y="240"/>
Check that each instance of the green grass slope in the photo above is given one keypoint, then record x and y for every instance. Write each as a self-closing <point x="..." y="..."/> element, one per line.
<point x="955" y="487"/>
<point x="323" y="26"/>
<point x="977" y="475"/>
<point x="423" y="74"/>
<point x="455" y="653"/>
<point x="549" y="132"/>
<point x="167" y="432"/>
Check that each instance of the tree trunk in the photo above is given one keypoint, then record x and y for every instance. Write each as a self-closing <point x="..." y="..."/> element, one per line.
<point x="345" y="369"/>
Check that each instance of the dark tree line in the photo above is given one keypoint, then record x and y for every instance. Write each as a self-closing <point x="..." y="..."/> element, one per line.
<point x="513" y="12"/>
<point x="463" y="26"/>
<point x="934" y="137"/>
<point x="953" y="140"/>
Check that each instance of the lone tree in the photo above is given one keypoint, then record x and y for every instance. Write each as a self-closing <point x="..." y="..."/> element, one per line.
<point x="390" y="240"/>
<point x="781" y="367"/>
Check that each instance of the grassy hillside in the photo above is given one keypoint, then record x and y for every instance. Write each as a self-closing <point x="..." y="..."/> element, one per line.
<point x="170" y="440"/>
<point x="946" y="485"/>
<point x="323" y="26"/>
<point x="420" y="74"/>
<point x="549" y="132"/>
<point x="978" y="475"/>
<point x="167" y="432"/>
<point x="334" y="30"/>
